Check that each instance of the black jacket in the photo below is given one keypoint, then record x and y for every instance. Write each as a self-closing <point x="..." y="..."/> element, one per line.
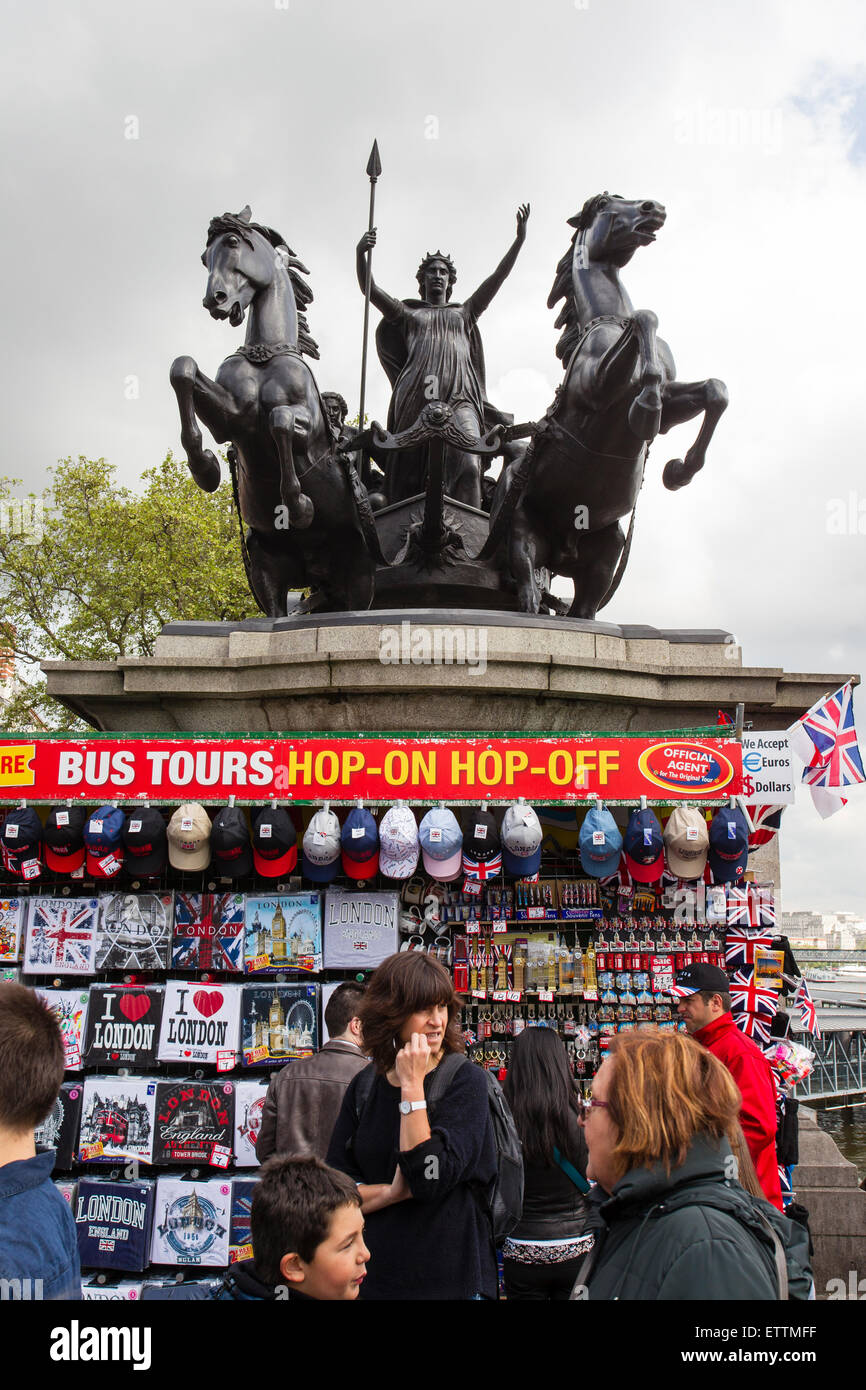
<point x="553" y="1207"/>
<point x="692" y="1235"/>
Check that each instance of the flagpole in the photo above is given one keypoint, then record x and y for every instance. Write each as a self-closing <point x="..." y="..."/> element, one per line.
<point x="374" y="169"/>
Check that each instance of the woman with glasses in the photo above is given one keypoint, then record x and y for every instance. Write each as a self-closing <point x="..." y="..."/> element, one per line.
<point x="675" y="1221"/>
<point x="542" y="1255"/>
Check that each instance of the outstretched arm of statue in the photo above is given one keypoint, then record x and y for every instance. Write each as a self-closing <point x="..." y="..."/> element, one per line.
<point x="479" y="301"/>
<point x="383" y="302"/>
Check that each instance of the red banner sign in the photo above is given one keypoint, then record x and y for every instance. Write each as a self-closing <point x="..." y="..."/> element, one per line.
<point x="378" y="769"/>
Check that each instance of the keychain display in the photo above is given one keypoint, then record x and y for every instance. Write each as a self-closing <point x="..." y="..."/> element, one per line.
<point x="123" y="1025"/>
<point x="194" y="1122"/>
<point x="134" y="931"/>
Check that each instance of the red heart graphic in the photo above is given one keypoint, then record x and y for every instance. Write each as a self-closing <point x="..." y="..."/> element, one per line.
<point x="207" y="1004"/>
<point x="134" y="1006"/>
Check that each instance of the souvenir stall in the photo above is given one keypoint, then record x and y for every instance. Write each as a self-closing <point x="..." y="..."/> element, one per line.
<point x="187" y="903"/>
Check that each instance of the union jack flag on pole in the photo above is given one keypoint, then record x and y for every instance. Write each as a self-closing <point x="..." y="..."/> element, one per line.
<point x="806" y="1005"/>
<point x="826" y="741"/>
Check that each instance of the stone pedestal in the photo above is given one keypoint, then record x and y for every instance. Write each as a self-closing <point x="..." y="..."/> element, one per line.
<point x="456" y="672"/>
<point x="827" y="1185"/>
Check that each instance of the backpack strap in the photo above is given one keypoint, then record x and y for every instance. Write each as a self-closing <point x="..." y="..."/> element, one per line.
<point x="443" y="1075"/>
<point x="363" y="1090"/>
<point x="704" y="1200"/>
<point x="570" y="1171"/>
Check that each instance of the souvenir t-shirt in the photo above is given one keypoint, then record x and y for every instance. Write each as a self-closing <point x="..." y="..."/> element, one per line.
<point x="123" y="1025"/>
<point x="11" y="928"/>
<point x="70" y="1007"/>
<point x="208" y="932"/>
<point x="61" y="936"/>
<point x="191" y="1226"/>
<point x="200" y="1023"/>
<point x="249" y="1105"/>
<point x="117" y="1119"/>
<point x="283" y="933"/>
<point x="361" y="929"/>
<point x="113" y="1223"/>
<point x="240" y="1239"/>
<point x="194" y="1122"/>
<point x="279" y="1022"/>
<point x="59" y="1129"/>
<point x="134" y="931"/>
<point x="124" y="1291"/>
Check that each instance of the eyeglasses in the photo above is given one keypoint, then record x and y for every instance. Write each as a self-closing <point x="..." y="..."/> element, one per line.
<point x="585" y="1106"/>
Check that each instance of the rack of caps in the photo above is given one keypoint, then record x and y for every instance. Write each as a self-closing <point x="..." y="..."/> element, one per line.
<point x="188" y="954"/>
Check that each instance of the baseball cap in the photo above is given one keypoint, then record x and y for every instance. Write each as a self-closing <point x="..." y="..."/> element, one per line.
<point x="686" y="842"/>
<point x="521" y="841"/>
<point x="729" y="844"/>
<point x="600" y="843"/>
<point x="441" y="843"/>
<point x="643" y="846"/>
<point x="698" y="976"/>
<point x="64" y="838"/>
<point x="320" y="854"/>
<point x="360" y="844"/>
<point x="21" y="839"/>
<point x="144" y="840"/>
<point x="103" y="842"/>
<point x="230" y="843"/>
<point x="188" y="835"/>
<point x="275" y="843"/>
<point x="482" y="848"/>
<point x="399" y="845"/>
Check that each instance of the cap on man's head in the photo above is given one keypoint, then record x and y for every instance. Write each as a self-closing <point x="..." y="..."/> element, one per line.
<point x="693" y="978"/>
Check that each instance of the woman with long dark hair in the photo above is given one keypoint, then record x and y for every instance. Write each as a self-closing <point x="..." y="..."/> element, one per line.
<point x="422" y="1175"/>
<point x="543" y="1253"/>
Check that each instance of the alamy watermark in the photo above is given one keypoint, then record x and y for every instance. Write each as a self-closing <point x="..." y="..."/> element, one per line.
<point x="729" y="125"/>
<point x="413" y="644"/>
<point x="846" y="516"/>
<point x="24" y="518"/>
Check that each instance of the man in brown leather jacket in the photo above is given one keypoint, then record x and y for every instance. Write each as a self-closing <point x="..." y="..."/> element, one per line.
<point x="304" y="1098"/>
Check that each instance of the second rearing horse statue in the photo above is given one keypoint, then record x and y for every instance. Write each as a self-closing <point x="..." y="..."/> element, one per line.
<point x="559" y="508"/>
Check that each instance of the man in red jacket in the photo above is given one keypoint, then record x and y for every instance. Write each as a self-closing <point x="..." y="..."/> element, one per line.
<point x="705" y="1005"/>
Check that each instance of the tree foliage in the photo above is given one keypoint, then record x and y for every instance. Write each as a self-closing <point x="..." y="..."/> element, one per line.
<point x="111" y="567"/>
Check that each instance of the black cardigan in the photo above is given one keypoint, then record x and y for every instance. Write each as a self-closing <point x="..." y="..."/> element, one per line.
<point x="438" y="1243"/>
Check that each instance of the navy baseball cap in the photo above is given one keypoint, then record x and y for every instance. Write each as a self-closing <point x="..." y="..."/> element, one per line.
<point x="729" y="844"/>
<point x="696" y="977"/>
<point x="644" y="847"/>
<point x="64" y="839"/>
<point x="359" y="841"/>
<point x="230" y="843"/>
<point x="22" y="839"/>
<point x="600" y="843"/>
<point x="145" y="843"/>
<point x="103" y="841"/>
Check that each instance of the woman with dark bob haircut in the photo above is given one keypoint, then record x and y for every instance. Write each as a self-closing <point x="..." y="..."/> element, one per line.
<point x="422" y="1175"/>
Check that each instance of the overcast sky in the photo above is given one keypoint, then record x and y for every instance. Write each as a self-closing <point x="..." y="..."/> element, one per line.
<point x="746" y="119"/>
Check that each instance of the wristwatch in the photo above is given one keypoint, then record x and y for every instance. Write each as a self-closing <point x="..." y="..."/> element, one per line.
<point x="407" y="1106"/>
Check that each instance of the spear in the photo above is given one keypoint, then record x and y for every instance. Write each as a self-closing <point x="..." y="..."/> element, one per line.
<point x="374" y="169"/>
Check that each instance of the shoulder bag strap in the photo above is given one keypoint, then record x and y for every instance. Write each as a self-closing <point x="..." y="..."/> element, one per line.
<point x="570" y="1171"/>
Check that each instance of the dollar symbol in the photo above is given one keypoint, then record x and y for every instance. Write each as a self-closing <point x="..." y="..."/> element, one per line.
<point x="748" y="785"/>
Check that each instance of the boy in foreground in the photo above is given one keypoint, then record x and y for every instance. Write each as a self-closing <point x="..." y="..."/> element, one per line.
<point x="307" y="1234"/>
<point x="38" y="1245"/>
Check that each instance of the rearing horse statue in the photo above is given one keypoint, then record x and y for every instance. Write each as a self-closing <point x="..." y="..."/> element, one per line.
<point x="309" y="517"/>
<point x="559" y="507"/>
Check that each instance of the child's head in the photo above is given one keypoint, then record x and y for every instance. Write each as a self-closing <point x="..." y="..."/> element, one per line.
<point x="31" y="1059"/>
<point x="307" y="1229"/>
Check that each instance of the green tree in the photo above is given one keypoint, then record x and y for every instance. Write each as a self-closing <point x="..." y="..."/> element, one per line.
<point x="91" y="571"/>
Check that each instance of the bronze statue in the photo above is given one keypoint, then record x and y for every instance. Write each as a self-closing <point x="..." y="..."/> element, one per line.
<point x="309" y="516"/>
<point x="559" y="507"/>
<point x="431" y="350"/>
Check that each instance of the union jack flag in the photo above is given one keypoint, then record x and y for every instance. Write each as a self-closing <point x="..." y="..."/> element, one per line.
<point x="749" y="998"/>
<point x="765" y="899"/>
<point x="482" y="869"/>
<point x="739" y="907"/>
<point x="755" y="1026"/>
<point x="826" y="739"/>
<point x="806" y="1005"/>
<point x="740" y="946"/>
<point x="767" y="821"/>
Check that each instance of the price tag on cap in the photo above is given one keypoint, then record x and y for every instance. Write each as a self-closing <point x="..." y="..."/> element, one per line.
<point x="598" y="837"/>
<point x="435" y="835"/>
<point x="11" y="832"/>
<point x="481" y="832"/>
<point x="134" y="827"/>
<point x="528" y="816"/>
<point x="30" y="868"/>
<point x="96" y="827"/>
<point x="185" y="824"/>
<point x="319" y="837"/>
<point x="264" y="832"/>
<point x="691" y="832"/>
<point x="357" y="832"/>
<point x="62" y="818"/>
